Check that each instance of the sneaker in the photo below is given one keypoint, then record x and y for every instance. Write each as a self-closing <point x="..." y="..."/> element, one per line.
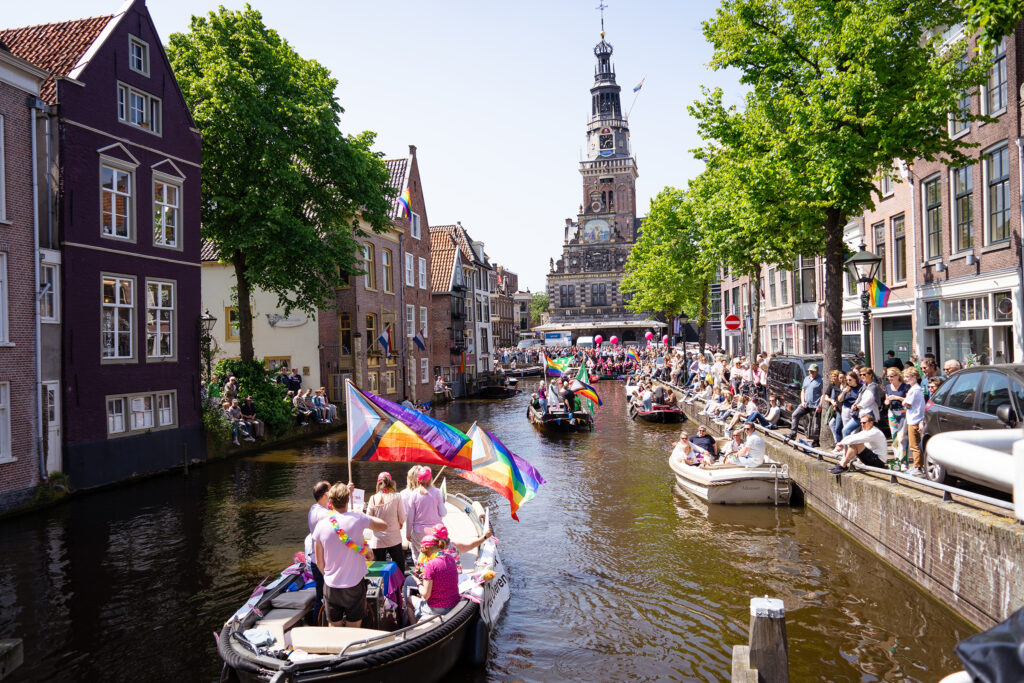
<point x="815" y="444"/>
<point x="235" y="441"/>
<point x="727" y="432"/>
<point x="838" y="470"/>
<point x="304" y="424"/>
<point x="249" y="438"/>
<point x="791" y="435"/>
<point x="915" y="472"/>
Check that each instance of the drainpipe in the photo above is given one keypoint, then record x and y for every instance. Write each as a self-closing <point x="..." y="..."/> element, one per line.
<point x="1020" y="192"/>
<point x="36" y="105"/>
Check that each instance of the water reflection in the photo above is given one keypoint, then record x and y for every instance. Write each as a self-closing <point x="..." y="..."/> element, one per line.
<point x="617" y="575"/>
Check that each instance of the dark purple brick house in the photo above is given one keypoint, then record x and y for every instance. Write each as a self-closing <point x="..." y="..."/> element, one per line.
<point x="125" y="158"/>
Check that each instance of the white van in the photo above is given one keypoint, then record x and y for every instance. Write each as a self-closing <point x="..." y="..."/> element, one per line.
<point x="584" y="342"/>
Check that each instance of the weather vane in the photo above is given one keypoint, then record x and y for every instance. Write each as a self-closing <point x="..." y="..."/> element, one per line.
<point x="601" y="6"/>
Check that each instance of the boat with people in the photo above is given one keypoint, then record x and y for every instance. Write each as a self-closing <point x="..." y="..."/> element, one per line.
<point x="631" y="386"/>
<point x="658" y="413"/>
<point x="727" y="484"/>
<point x="506" y="388"/>
<point x="560" y="420"/>
<point x="267" y="638"/>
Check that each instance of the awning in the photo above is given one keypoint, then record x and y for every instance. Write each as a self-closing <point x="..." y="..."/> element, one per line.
<point x="598" y="325"/>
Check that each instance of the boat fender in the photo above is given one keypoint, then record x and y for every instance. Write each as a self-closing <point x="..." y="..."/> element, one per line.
<point x="478" y="643"/>
<point x="478" y="510"/>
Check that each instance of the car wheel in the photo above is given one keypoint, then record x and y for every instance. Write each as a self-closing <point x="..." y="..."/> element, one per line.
<point x="934" y="470"/>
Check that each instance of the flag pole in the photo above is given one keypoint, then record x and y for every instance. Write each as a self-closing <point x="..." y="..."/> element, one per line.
<point x="348" y="430"/>
<point x="635" y="96"/>
<point x="439" y="473"/>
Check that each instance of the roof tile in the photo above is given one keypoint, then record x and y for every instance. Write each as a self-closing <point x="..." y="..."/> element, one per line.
<point x="396" y="171"/>
<point x="442" y="259"/>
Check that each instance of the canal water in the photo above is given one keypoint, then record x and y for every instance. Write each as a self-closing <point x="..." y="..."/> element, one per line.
<point x="616" y="575"/>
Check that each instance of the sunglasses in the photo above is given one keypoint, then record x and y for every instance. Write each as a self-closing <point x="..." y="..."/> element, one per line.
<point x="865" y="422"/>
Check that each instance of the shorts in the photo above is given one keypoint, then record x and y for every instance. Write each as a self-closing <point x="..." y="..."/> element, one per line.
<point x="345" y="604"/>
<point x="870" y="458"/>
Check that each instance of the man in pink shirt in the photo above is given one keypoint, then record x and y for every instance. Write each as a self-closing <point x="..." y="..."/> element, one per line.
<point x="341" y="553"/>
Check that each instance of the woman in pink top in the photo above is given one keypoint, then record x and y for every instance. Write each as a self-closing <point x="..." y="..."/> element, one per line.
<point x="425" y="508"/>
<point x="439" y="584"/>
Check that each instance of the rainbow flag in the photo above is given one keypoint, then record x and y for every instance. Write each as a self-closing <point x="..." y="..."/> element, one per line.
<point x="631" y="352"/>
<point x="581" y="388"/>
<point x="878" y="293"/>
<point x="556" y="368"/>
<point x="498" y="468"/>
<point x="381" y="430"/>
<point x="405" y="199"/>
<point x="636" y="88"/>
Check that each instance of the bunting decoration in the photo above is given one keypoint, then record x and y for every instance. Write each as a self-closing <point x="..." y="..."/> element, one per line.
<point x="878" y="293"/>
<point x="498" y="468"/>
<point x="381" y="430"/>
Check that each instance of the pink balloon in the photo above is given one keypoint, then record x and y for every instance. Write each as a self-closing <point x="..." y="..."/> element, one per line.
<point x="664" y="340"/>
<point x="614" y="340"/>
<point x="649" y="336"/>
<point x="598" y="339"/>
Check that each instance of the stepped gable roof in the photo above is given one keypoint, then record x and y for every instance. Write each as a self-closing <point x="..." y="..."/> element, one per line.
<point x="209" y="252"/>
<point x="397" y="169"/>
<point x="59" y="47"/>
<point x="442" y="254"/>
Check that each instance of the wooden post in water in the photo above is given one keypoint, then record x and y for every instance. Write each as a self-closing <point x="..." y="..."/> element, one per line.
<point x="769" y="652"/>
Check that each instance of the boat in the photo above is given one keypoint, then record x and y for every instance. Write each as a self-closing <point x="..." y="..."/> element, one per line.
<point x="424" y="651"/>
<point x="528" y="371"/>
<point x="657" y="413"/>
<point x="767" y="483"/>
<point x="560" y="420"/>
<point x="511" y="388"/>
<point x="631" y="385"/>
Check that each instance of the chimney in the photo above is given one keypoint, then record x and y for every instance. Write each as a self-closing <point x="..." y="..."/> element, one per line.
<point x="412" y="150"/>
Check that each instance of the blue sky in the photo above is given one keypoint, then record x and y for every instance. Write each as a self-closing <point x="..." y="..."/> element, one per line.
<point x="495" y="96"/>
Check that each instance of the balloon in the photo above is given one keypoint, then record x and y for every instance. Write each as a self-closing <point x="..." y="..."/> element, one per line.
<point x="649" y="336"/>
<point x="598" y="339"/>
<point x="614" y="340"/>
<point x="664" y="340"/>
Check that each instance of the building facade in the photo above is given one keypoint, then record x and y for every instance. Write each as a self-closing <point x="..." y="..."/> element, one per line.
<point x="126" y="165"/>
<point x="506" y="283"/>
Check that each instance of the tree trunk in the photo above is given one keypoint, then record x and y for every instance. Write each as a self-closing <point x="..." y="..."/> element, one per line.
<point x="835" y="253"/>
<point x="755" y="317"/>
<point x="704" y="316"/>
<point x="244" y="288"/>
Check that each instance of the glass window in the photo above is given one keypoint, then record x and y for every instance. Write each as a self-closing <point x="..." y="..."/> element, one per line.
<point x="958" y="122"/>
<point x="995" y="87"/>
<point x="389" y="382"/>
<point x="370" y="266"/>
<point x="410" y="321"/>
<point x="410" y="272"/>
<point x="115" y="202"/>
<point x="3" y="179"/>
<point x="424" y="326"/>
<point x="372" y="345"/>
<point x="159" y="319"/>
<point x="165" y="213"/>
<point x="231" y="318"/>
<point x="997" y="171"/>
<point x="1018" y="394"/>
<point x="118" y="321"/>
<point x="933" y="218"/>
<point x="414" y="225"/>
<point x="961" y="395"/>
<point x="887" y="184"/>
<point x="995" y="392"/>
<point x="1002" y="310"/>
<point x="963" y="208"/>
<point x="808" y="280"/>
<point x="345" y="334"/>
<point x="424" y="370"/>
<point x="139" y="109"/>
<point x="423" y="272"/>
<point x="142" y="412"/>
<point x="165" y="409"/>
<point x="115" y="416"/>
<point x="6" y="451"/>
<point x="899" y="248"/>
<point x="387" y="270"/>
<point x="771" y="288"/>
<point x="371" y="382"/>
<point x="49" y="303"/>
<point x="138" y="56"/>
<point x="784" y="287"/>
<point x="598" y="295"/>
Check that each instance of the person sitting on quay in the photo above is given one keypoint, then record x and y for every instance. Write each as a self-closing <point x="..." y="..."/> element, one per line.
<point x="332" y="410"/>
<point x="231" y="388"/>
<point x="869" y="445"/>
<point x="318" y="411"/>
<point x="705" y="442"/>
<point x="771" y="420"/>
<point x="344" y="567"/>
<point x="743" y="411"/>
<point x="234" y="417"/>
<point x="248" y="410"/>
<point x="301" y="412"/>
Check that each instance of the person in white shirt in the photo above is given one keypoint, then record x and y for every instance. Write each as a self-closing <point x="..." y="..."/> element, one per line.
<point x="869" y="445"/>
<point x="753" y="452"/>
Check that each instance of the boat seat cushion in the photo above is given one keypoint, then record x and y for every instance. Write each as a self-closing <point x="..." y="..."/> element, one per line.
<point x="278" y="621"/>
<point x="328" y="640"/>
<point x="302" y="600"/>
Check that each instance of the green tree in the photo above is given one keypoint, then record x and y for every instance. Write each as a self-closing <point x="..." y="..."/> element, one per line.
<point x="853" y="85"/>
<point x="993" y="19"/>
<point x="283" y="189"/>
<point x="538" y="305"/>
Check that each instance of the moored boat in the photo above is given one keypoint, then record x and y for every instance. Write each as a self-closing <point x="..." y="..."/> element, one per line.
<point x="560" y="421"/>
<point x="735" y="484"/>
<point x="657" y="413"/>
<point x="499" y="390"/>
<point x="424" y="651"/>
<point x="631" y="385"/>
<point x="528" y="371"/>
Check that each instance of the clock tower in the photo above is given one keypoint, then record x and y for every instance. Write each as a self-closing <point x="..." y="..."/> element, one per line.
<point x="583" y="285"/>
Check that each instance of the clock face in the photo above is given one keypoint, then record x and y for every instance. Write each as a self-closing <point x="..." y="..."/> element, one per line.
<point x="597" y="230"/>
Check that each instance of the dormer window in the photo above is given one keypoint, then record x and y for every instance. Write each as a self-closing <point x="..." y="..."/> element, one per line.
<point x="138" y="55"/>
<point x="139" y="109"/>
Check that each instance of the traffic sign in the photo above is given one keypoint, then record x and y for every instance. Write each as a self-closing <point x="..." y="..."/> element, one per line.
<point x="732" y="322"/>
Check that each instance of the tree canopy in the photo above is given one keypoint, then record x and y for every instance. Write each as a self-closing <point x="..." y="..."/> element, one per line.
<point x="285" y="192"/>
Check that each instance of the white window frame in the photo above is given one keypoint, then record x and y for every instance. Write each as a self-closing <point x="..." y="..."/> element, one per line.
<point x="954" y="121"/>
<point x="152" y="117"/>
<point x="116" y="166"/>
<point x="169" y="410"/>
<point x="985" y="90"/>
<point x="423" y="272"/>
<point x="5" y="311"/>
<point x="929" y="255"/>
<point x="119" y="306"/>
<point x="122" y="422"/>
<point x="410" y="321"/>
<point x="132" y="42"/>
<point x="410" y="270"/>
<point x="987" y="217"/>
<point x="954" y="212"/>
<point x="6" y="452"/>
<point x="171" y="314"/>
<point x="424" y="370"/>
<point x="423" y="321"/>
<point x="887" y="185"/>
<point x="414" y="225"/>
<point x="160" y="225"/>
<point x="114" y="415"/>
<point x="137" y="406"/>
<point x="3" y="175"/>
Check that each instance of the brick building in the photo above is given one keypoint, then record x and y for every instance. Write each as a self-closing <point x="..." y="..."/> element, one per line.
<point x="22" y="459"/>
<point x="503" y="324"/>
<point x="125" y="162"/>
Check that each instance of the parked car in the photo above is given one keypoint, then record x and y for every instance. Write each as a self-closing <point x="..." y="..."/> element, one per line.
<point x="786" y="375"/>
<point x="978" y="398"/>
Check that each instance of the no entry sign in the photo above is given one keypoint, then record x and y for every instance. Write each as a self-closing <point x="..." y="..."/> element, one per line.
<point x="732" y="322"/>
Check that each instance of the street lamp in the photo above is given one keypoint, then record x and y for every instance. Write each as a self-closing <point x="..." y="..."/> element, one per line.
<point x="206" y="323"/>
<point x="863" y="267"/>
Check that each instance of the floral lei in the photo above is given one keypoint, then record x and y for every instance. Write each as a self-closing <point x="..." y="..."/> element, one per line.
<point x="364" y="550"/>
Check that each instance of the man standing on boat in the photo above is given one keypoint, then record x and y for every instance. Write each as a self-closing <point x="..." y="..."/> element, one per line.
<point x="341" y="554"/>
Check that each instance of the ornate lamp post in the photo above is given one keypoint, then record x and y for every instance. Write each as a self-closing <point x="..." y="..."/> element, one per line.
<point x="206" y="323"/>
<point x="863" y="267"/>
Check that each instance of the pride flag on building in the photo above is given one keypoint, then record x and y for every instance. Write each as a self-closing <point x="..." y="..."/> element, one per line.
<point x="381" y="430"/>
<point x="878" y="293"/>
<point x="498" y="468"/>
<point x="556" y="368"/>
<point x="405" y="199"/>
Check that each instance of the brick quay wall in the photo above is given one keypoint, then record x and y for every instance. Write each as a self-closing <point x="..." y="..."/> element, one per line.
<point x="968" y="556"/>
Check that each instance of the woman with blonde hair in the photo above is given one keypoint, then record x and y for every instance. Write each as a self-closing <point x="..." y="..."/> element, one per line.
<point x="425" y="508"/>
<point x="387" y="504"/>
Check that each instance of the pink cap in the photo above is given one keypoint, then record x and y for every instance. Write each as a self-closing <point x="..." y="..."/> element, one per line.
<point x="424" y="474"/>
<point x="383" y="475"/>
<point x="439" y="531"/>
<point x="428" y="540"/>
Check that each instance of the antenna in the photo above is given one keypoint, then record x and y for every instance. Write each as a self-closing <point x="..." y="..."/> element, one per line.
<point x="601" y="6"/>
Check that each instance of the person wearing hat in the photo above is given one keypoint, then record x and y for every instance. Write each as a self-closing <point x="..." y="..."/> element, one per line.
<point x="438" y="581"/>
<point x="810" y="404"/>
<point x="387" y="505"/>
<point x="425" y="508"/>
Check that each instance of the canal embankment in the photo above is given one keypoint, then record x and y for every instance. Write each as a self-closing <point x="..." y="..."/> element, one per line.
<point x="964" y="553"/>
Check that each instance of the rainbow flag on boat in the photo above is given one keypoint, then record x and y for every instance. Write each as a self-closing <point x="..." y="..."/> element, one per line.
<point x="632" y="353"/>
<point x="584" y="390"/>
<point x="556" y="368"/>
<point x="498" y="468"/>
<point x="381" y="430"/>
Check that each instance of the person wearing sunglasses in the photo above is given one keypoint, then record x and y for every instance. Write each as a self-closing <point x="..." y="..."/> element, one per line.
<point x="868" y="445"/>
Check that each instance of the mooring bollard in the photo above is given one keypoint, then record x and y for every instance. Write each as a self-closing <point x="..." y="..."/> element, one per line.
<point x="769" y="652"/>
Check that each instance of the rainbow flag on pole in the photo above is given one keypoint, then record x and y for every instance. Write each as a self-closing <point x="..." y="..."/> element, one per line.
<point x="556" y="368"/>
<point x="878" y="293"/>
<point x="584" y="390"/>
<point x="498" y="468"/>
<point x="636" y="88"/>
<point x="631" y="352"/>
<point x="381" y="430"/>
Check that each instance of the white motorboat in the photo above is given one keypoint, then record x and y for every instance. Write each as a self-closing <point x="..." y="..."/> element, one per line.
<point x="630" y="386"/>
<point x="735" y="484"/>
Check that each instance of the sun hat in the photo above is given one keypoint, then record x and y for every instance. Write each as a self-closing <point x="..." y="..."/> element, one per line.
<point x="424" y="474"/>
<point x="439" y="531"/>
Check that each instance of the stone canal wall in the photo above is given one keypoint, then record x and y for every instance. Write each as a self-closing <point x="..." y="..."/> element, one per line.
<point x="969" y="557"/>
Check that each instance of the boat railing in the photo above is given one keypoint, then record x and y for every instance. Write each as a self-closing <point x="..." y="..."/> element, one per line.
<point x="400" y="634"/>
<point x="895" y="477"/>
